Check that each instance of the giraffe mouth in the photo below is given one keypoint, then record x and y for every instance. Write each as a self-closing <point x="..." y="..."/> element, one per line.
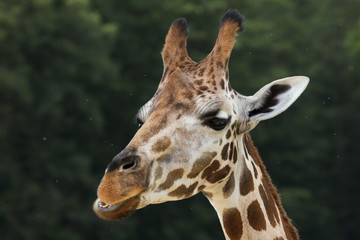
<point x="104" y="205"/>
<point x="116" y="211"/>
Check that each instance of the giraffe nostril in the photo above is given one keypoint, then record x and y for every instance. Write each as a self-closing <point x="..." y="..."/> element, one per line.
<point x="124" y="161"/>
<point x="128" y="165"/>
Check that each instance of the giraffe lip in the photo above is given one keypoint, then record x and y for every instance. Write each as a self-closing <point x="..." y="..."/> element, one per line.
<point x="116" y="211"/>
<point x="103" y="206"/>
<point x="109" y="206"/>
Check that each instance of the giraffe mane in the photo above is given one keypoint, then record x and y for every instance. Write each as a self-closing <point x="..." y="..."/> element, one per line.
<point x="290" y="230"/>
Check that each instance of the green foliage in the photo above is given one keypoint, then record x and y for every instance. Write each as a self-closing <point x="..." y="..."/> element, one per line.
<point x="74" y="72"/>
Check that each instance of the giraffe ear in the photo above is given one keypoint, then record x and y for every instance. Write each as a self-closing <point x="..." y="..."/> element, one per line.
<point x="274" y="98"/>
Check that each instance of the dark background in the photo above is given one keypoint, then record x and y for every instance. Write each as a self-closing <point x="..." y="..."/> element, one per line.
<point x="74" y="72"/>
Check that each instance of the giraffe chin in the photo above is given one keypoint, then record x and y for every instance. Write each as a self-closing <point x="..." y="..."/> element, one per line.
<point x="116" y="211"/>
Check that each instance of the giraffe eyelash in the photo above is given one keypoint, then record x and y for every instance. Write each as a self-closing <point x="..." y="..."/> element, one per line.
<point x="217" y="123"/>
<point x="139" y="122"/>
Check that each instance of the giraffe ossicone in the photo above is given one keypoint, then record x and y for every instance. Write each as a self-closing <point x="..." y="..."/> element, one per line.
<point x="193" y="137"/>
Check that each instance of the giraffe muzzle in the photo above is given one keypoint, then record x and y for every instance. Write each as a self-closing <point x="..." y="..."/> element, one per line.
<point x="124" y="181"/>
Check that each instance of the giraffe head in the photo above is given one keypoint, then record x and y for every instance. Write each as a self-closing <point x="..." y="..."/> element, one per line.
<point x="184" y="143"/>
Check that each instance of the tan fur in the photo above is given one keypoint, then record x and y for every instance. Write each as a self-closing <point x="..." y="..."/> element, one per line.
<point x="110" y="191"/>
<point x="225" y="41"/>
<point x="174" y="50"/>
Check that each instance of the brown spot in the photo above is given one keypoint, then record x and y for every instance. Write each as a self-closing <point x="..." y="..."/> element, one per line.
<point x="219" y="64"/>
<point x="210" y="169"/>
<point x="218" y="175"/>
<point x="200" y="188"/>
<point x="220" y="141"/>
<point x="246" y="181"/>
<point x="180" y="105"/>
<point x="232" y="223"/>
<point x="211" y="71"/>
<point x="228" y="134"/>
<point x="199" y="92"/>
<point x="224" y="151"/>
<point x="231" y="150"/>
<point x="201" y="72"/>
<point x="270" y="207"/>
<point x="279" y="238"/>
<point x="256" y="216"/>
<point x="229" y="187"/>
<point x="238" y="127"/>
<point x="201" y="163"/>
<point x="158" y="173"/>
<point x="198" y="81"/>
<point x="222" y="84"/>
<point x="255" y="171"/>
<point x="171" y="178"/>
<point x="183" y="191"/>
<point x="178" y="116"/>
<point x="235" y="155"/>
<point x="207" y="194"/>
<point x="161" y="145"/>
<point x="188" y="95"/>
<point x="203" y="88"/>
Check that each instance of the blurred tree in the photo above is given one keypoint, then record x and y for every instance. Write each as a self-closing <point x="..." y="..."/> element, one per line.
<point x="55" y="75"/>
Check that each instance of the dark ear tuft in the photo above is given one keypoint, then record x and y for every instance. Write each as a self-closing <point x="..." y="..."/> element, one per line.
<point x="181" y="25"/>
<point x="270" y="99"/>
<point x="233" y="15"/>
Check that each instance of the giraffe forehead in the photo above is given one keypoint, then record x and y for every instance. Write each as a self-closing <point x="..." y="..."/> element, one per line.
<point x="182" y="95"/>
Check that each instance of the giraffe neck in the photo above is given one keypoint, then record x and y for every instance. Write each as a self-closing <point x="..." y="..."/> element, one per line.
<point x="247" y="203"/>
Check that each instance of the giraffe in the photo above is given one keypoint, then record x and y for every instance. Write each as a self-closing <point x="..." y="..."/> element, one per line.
<point x="194" y="137"/>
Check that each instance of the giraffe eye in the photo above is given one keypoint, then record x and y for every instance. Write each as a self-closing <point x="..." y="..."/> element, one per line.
<point x="139" y="123"/>
<point x="217" y="123"/>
